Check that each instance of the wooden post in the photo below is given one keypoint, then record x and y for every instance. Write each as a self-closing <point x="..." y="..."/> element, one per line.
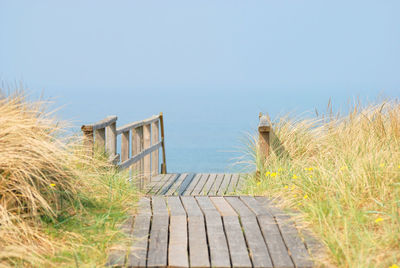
<point x="88" y="140"/>
<point x="146" y="159"/>
<point x="263" y="137"/>
<point x="111" y="139"/>
<point x="164" y="163"/>
<point x="137" y="147"/>
<point x="155" y="137"/>
<point x="124" y="146"/>
<point x="100" y="139"/>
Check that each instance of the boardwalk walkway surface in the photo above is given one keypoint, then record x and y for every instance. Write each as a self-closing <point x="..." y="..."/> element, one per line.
<point x="195" y="220"/>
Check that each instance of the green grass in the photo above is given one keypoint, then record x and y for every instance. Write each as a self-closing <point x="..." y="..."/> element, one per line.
<point x="342" y="173"/>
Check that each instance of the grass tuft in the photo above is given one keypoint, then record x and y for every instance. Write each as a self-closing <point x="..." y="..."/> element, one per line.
<point x="342" y="173"/>
<point x="56" y="205"/>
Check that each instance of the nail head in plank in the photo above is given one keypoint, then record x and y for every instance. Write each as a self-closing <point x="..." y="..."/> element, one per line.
<point x="185" y="183"/>
<point x="224" y="185"/>
<point x="237" y="244"/>
<point x="178" y="243"/>
<point x="138" y="251"/>
<point x="193" y="184"/>
<point x="158" y="243"/>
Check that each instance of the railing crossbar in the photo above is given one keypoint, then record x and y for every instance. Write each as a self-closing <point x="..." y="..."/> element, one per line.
<point x="139" y="156"/>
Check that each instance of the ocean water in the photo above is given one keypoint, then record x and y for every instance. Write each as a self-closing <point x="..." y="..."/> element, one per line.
<point x="205" y="130"/>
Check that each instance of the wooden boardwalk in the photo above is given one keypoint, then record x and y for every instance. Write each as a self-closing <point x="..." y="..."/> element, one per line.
<point x="195" y="220"/>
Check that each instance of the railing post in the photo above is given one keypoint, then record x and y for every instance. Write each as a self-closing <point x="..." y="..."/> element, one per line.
<point x="124" y="146"/>
<point x="111" y="139"/>
<point x="88" y="140"/>
<point x="146" y="159"/>
<point x="100" y="139"/>
<point x="164" y="163"/>
<point x="155" y="137"/>
<point x="263" y="137"/>
<point x="137" y="147"/>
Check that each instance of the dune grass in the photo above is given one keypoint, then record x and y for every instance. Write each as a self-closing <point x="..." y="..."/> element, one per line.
<point x="57" y="206"/>
<point x="342" y="173"/>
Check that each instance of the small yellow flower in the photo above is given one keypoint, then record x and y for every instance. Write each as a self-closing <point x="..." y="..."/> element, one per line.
<point x="293" y="186"/>
<point x="378" y="220"/>
<point x="286" y="187"/>
<point x="280" y="169"/>
<point x="399" y="166"/>
<point x="381" y="164"/>
<point x="295" y="195"/>
<point x="273" y="174"/>
<point x="258" y="183"/>
<point x="267" y="173"/>
<point x="343" y="168"/>
<point x="394" y="266"/>
<point x="300" y="204"/>
<point x="305" y="196"/>
<point x="294" y="176"/>
<point x="52" y="185"/>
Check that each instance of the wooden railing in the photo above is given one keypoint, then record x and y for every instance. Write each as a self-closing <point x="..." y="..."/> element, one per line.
<point x="140" y="144"/>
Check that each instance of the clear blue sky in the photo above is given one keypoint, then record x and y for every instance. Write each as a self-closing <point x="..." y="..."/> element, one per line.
<point x="210" y="64"/>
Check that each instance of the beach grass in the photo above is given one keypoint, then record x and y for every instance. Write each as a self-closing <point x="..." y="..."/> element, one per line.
<point x="57" y="206"/>
<point x="341" y="174"/>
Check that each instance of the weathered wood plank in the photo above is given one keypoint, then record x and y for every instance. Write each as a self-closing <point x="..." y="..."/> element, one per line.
<point x="224" y="184"/>
<point x="255" y="241"/>
<point x="185" y="183"/>
<point x="155" y="181"/>
<point x="158" y="243"/>
<point x="290" y="235"/>
<point x="200" y="185"/>
<point x="193" y="184"/>
<point x="172" y="190"/>
<point x="215" y="231"/>
<point x="137" y="124"/>
<point x="146" y="158"/>
<point x="101" y="124"/>
<point x="233" y="183"/>
<point x="169" y="183"/>
<point x="124" y="146"/>
<point x="208" y="184"/>
<point x="215" y="187"/>
<point x="138" y="251"/>
<point x="198" y="250"/>
<point x="178" y="241"/>
<point x="233" y="230"/>
<point x="155" y="138"/>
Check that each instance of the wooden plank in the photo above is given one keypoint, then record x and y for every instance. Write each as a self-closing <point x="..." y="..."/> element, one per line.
<point x="290" y="235"/>
<point x="241" y="183"/>
<point x="219" y="252"/>
<point x="137" y="146"/>
<point x="158" y="243"/>
<point x="182" y="188"/>
<point x="232" y="184"/>
<point x="197" y="190"/>
<point x="124" y="146"/>
<point x="100" y="124"/>
<point x="143" y="154"/>
<point x="176" y="184"/>
<point x="111" y="139"/>
<point x="169" y="183"/>
<point x="156" y="185"/>
<point x="208" y="184"/>
<point x="146" y="158"/>
<point x="138" y="250"/>
<point x="137" y="124"/>
<point x="198" y="250"/>
<point x="215" y="187"/>
<point x="255" y="241"/>
<point x="224" y="184"/>
<point x="193" y="184"/>
<point x="237" y="245"/>
<point x="178" y="242"/>
<point x="100" y="139"/>
<point x="155" y="138"/>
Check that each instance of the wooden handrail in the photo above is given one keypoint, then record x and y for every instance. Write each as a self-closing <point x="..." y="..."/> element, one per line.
<point x="143" y="137"/>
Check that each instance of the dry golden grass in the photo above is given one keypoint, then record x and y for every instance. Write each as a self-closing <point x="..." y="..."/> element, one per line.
<point x="343" y="174"/>
<point x="46" y="183"/>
